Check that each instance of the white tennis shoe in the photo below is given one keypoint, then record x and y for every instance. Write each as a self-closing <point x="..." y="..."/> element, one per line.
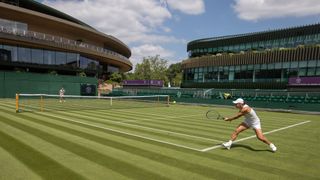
<point x="273" y="147"/>
<point x="227" y="145"/>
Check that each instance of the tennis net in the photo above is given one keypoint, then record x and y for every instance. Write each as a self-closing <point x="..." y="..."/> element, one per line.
<point x="49" y="102"/>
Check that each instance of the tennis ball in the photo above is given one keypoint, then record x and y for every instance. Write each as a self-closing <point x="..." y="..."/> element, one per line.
<point x="174" y="102"/>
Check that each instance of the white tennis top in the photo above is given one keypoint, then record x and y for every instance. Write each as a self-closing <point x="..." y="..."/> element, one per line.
<point x="251" y="118"/>
<point x="61" y="92"/>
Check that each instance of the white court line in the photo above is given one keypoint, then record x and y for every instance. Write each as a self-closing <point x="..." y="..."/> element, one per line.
<point x="143" y="127"/>
<point x="130" y="134"/>
<point x="160" y="116"/>
<point x="173" y="144"/>
<point x="133" y="125"/>
<point x="250" y="137"/>
<point x="157" y="118"/>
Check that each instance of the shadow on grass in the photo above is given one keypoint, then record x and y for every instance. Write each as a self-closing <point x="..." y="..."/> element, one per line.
<point x="248" y="147"/>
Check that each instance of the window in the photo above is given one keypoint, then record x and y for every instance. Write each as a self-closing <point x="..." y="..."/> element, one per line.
<point x="243" y="67"/>
<point x="49" y="57"/>
<point x="24" y="54"/>
<point x="248" y="46"/>
<point x="237" y="68"/>
<point x="318" y="71"/>
<point x="72" y="60"/>
<point x="200" y="69"/>
<point x="263" y="66"/>
<point x="257" y="66"/>
<point x="271" y="66"/>
<point x="37" y="56"/>
<point x="294" y="64"/>
<point x="302" y="72"/>
<point x="312" y="63"/>
<point x="200" y="77"/>
<point x="303" y="64"/>
<point x="255" y="45"/>
<point x="61" y="58"/>
<point x="12" y="52"/>
<point x="83" y="62"/>
<point x="278" y="65"/>
<point x="311" y="71"/>
<point x="242" y="47"/>
<point x="286" y="64"/>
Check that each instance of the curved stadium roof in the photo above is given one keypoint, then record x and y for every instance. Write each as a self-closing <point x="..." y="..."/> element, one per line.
<point x="57" y="23"/>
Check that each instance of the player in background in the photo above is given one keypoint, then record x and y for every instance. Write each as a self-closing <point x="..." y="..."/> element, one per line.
<point x="61" y="94"/>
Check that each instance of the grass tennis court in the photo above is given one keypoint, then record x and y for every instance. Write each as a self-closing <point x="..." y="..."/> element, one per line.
<point x="175" y="142"/>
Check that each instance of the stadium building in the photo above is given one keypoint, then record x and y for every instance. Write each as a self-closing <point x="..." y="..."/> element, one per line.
<point x="42" y="49"/>
<point x="277" y="59"/>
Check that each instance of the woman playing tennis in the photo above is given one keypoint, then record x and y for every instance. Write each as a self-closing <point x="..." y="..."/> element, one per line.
<point x="251" y="121"/>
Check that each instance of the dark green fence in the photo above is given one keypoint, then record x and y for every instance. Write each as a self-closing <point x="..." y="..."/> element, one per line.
<point x="34" y="83"/>
<point x="274" y="99"/>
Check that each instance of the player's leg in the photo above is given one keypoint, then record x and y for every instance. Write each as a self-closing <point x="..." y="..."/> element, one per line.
<point x="241" y="127"/>
<point x="262" y="138"/>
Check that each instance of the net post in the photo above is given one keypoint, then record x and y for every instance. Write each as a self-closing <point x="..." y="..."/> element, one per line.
<point x="17" y="103"/>
<point x="111" y="101"/>
<point x="168" y="100"/>
<point x="41" y="103"/>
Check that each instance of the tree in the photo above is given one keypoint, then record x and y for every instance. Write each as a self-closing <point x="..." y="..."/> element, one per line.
<point x="116" y="77"/>
<point x="129" y="76"/>
<point x="152" y="67"/>
<point x="174" y="74"/>
<point x="143" y="70"/>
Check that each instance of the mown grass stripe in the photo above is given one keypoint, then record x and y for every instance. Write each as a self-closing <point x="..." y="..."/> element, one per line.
<point x="153" y="126"/>
<point x="184" y="165"/>
<point x="169" y="161"/>
<point x="109" y="162"/>
<point x="214" y="125"/>
<point x="34" y="159"/>
<point x="142" y="152"/>
<point x="254" y="136"/>
<point x="281" y="165"/>
<point x="135" y="130"/>
<point x="203" y="126"/>
<point x="157" y="134"/>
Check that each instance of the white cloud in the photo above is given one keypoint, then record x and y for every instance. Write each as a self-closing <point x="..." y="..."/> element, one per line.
<point x="187" y="6"/>
<point x="149" y="50"/>
<point x="138" y="23"/>
<point x="120" y="18"/>
<point x="254" y="10"/>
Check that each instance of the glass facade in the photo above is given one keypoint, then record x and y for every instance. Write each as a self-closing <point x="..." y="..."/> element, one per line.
<point x="259" y="60"/>
<point x="288" y="42"/>
<point x="272" y="72"/>
<point x="55" y="59"/>
<point x="13" y="24"/>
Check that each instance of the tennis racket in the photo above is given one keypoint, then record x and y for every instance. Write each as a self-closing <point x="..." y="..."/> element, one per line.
<point x="214" y="115"/>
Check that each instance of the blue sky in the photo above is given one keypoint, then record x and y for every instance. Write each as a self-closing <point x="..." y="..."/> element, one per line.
<point x="164" y="27"/>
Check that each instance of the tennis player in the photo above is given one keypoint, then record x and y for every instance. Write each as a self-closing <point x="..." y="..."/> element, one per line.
<point x="251" y="121"/>
<point x="61" y="94"/>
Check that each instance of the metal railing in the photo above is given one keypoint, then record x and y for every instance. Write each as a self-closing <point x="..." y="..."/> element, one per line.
<point x="59" y="40"/>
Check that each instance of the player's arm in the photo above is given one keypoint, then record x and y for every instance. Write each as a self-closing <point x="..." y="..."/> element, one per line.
<point x="239" y="114"/>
